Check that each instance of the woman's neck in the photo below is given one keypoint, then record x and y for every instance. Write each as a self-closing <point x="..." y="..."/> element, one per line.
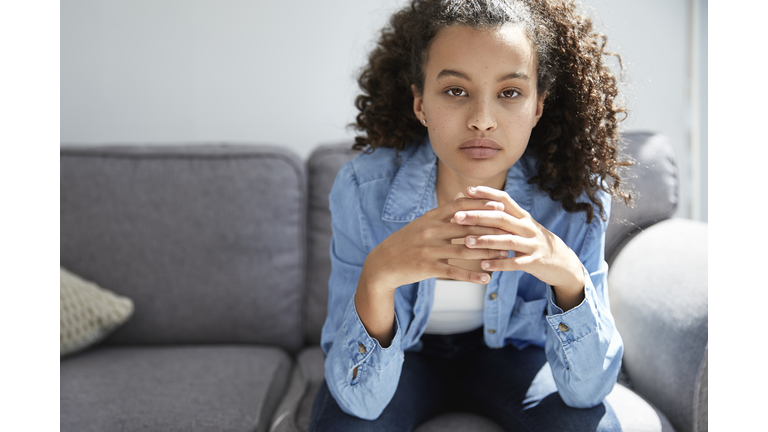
<point x="449" y="183"/>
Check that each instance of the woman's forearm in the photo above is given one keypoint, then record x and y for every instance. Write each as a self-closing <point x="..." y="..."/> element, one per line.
<point x="375" y="306"/>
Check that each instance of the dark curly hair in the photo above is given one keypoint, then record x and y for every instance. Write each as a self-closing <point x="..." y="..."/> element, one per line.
<point x="576" y="141"/>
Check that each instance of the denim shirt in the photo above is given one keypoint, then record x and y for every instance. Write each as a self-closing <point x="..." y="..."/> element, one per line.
<point x="374" y="196"/>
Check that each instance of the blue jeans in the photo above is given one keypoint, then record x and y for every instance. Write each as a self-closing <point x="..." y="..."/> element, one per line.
<point x="458" y="372"/>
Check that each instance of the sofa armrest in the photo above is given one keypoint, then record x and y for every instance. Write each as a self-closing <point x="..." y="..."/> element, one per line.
<point x="658" y="291"/>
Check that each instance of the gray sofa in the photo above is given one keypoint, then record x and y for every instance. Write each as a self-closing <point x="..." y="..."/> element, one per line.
<point x="224" y="251"/>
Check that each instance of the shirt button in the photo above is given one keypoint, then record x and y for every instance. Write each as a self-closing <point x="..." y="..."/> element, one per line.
<point x="492" y="296"/>
<point x="563" y="327"/>
<point x="361" y="348"/>
<point x="491" y="331"/>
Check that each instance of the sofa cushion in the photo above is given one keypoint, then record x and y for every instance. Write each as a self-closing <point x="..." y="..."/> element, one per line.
<point x="323" y="165"/>
<point x="208" y="241"/>
<point x="654" y="182"/>
<point x="635" y="413"/>
<point x="204" y="388"/>
<point x="87" y="312"/>
<point x="459" y="422"/>
<point x="658" y="291"/>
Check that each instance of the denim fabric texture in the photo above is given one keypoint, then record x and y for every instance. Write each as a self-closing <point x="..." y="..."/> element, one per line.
<point x="515" y="388"/>
<point x="378" y="193"/>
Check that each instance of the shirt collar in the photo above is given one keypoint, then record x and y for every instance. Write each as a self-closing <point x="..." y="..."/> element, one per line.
<point x="413" y="189"/>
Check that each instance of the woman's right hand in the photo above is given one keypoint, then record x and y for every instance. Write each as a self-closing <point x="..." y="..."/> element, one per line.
<point x="418" y="251"/>
<point x="421" y="249"/>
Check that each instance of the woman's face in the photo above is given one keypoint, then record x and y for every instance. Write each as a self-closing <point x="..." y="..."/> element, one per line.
<point x="479" y="101"/>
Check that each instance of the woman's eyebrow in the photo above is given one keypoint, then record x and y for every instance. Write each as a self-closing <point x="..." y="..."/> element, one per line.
<point x="452" y="73"/>
<point x="514" y="75"/>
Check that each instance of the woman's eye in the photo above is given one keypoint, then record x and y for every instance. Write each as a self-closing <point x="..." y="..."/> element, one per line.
<point x="509" y="93"/>
<point x="456" y="92"/>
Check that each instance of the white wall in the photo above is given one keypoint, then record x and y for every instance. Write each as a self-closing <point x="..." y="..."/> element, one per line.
<point x="283" y="73"/>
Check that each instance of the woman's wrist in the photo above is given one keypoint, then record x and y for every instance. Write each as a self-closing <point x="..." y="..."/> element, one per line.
<point x="570" y="294"/>
<point x="375" y="305"/>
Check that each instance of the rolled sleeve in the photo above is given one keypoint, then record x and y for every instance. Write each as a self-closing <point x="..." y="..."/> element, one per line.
<point x="583" y="347"/>
<point x="344" y="340"/>
<point x="367" y="392"/>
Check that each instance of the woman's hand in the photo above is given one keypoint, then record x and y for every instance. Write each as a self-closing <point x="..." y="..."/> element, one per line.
<point x="418" y="251"/>
<point x="421" y="249"/>
<point x="536" y="250"/>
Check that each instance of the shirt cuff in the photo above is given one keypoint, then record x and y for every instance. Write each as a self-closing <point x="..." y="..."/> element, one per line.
<point x="578" y="322"/>
<point x="364" y="350"/>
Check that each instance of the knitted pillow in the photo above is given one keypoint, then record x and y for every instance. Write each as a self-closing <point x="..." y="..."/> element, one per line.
<point x="88" y="313"/>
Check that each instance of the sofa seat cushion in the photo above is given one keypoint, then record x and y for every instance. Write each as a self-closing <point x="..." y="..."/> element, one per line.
<point x="172" y="388"/>
<point x="295" y="411"/>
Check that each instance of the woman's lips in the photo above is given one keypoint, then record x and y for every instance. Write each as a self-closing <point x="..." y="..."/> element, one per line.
<point x="480" y="148"/>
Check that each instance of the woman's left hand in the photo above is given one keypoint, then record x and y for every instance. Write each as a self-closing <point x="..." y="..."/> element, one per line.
<point x="538" y="251"/>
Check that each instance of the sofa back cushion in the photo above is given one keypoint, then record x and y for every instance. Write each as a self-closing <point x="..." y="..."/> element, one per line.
<point x="654" y="182"/>
<point x="208" y="241"/>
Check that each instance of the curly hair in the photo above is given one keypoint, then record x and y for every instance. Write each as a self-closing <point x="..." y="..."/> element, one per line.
<point x="576" y="142"/>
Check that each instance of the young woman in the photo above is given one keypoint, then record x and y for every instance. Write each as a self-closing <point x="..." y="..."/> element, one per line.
<point x="468" y="240"/>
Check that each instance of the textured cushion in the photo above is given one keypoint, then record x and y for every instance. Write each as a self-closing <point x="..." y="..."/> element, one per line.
<point x="459" y="422"/>
<point x="208" y="241"/>
<point x="206" y="388"/>
<point x="635" y="414"/>
<point x="654" y="182"/>
<point x="294" y="413"/>
<point x="323" y="165"/>
<point x="658" y="291"/>
<point x="87" y="312"/>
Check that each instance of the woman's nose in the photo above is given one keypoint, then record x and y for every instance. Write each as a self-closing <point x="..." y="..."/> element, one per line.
<point x="481" y="118"/>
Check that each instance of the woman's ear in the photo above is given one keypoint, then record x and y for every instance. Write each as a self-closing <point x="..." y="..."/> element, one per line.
<point x="540" y="107"/>
<point x="418" y="104"/>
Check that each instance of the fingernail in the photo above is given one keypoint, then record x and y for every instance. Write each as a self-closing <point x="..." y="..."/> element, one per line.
<point x="460" y="217"/>
<point x="503" y="254"/>
<point x="472" y="241"/>
<point x="472" y="189"/>
<point x="484" y="278"/>
<point x="453" y="221"/>
<point x="486" y="265"/>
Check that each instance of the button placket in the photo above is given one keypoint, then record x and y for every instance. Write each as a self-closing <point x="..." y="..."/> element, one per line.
<point x="492" y="309"/>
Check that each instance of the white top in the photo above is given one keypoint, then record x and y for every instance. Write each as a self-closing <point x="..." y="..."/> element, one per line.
<point x="458" y="307"/>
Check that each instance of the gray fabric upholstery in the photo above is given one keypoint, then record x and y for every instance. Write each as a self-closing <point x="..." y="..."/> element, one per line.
<point x="183" y="388"/>
<point x="208" y="241"/>
<point x="701" y="403"/>
<point x="658" y="290"/>
<point x="653" y="179"/>
<point x="323" y="165"/>
<point x="635" y="414"/>
<point x="295" y="411"/>
<point x="459" y="421"/>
